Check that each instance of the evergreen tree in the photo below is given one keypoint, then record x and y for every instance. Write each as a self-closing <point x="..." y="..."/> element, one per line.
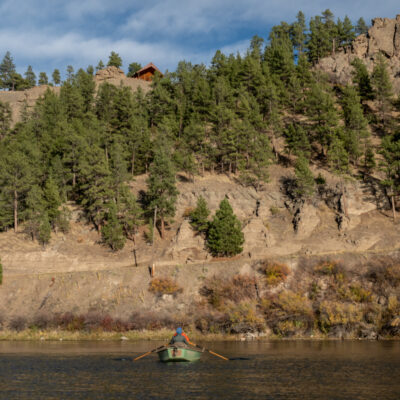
<point x="56" y="77"/>
<point x="129" y="212"/>
<point x="43" y="79"/>
<point x="35" y="209"/>
<point x="355" y="123"/>
<point x="7" y="72"/>
<point x="19" y="161"/>
<point x="53" y="201"/>
<point x="44" y="233"/>
<point x="382" y="86"/>
<point x="112" y="231"/>
<point x="391" y="167"/>
<point x="30" y="77"/>
<point x="162" y="192"/>
<point x="361" y="27"/>
<point x="114" y="60"/>
<point x="199" y="216"/>
<point x="320" y="107"/>
<point x="297" y="140"/>
<point x="298" y="32"/>
<point x="362" y="79"/>
<point x="338" y="157"/>
<point x="5" y="119"/>
<point x="304" y="178"/>
<point x="70" y="74"/>
<point x="346" y="34"/>
<point x="319" y="43"/>
<point x="225" y="236"/>
<point x="90" y="70"/>
<point x="100" y="66"/>
<point x="133" y="68"/>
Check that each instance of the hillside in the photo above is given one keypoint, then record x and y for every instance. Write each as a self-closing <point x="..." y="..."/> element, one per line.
<point x="296" y="155"/>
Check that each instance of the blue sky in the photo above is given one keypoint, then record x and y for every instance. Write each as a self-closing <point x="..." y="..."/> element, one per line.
<point x="50" y="34"/>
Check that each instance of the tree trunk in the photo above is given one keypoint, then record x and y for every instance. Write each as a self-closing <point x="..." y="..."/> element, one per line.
<point x="154" y="225"/>
<point x="133" y="162"/>
<point x="393" y="208"/>
<point x="162" y="228"/>
<point x="15" y="211"/>
<point x="73" y="179"/>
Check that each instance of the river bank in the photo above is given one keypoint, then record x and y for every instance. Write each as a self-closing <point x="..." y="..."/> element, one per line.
<point x="160" y="335"/>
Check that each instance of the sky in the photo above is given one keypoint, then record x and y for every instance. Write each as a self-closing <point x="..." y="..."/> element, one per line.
<point x="49" y="34"/>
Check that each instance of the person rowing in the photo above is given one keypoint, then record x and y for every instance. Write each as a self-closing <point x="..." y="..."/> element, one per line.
<point x="180" y="338"/>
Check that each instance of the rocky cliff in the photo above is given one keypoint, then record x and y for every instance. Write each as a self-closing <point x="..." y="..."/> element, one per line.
<point x="383" y="37"/>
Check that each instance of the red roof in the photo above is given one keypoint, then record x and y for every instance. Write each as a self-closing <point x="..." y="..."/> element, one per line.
<point x="149" y="66"/>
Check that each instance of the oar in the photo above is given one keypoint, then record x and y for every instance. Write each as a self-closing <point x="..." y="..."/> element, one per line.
<point x="149" y="352"/>
<point x="212" y="352"/>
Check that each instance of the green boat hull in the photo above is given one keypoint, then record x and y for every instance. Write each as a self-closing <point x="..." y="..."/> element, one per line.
<point x="174" y="354"/>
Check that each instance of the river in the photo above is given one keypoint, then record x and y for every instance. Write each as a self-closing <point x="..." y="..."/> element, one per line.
<point x="257" y="370"/>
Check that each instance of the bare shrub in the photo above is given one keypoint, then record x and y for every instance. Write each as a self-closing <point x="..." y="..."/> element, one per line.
<point x="239" y="287"/>
<point x="42" y="321"/>
<point x="18" y="323"/>
<point x="160" y="286"/>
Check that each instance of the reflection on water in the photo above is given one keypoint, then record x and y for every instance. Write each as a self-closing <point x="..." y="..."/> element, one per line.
<point x="277" y="370"/>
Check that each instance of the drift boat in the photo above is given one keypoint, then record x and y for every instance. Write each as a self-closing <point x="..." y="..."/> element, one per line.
<point x="179" y="353"/>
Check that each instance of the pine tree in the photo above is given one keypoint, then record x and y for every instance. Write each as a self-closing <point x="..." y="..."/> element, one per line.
<point x="30" y="77"/>
<point x="44" y="233"/>
<point x="391" y="167"/>
<point x="114" y="60"/>
<point x="199" y="216"/>
<point x="297" y="32"/>
<point x="5" y="119"/>
<point x="7" y="72"/>
<point x="361" y="27"/>
<point x="133" y="68"/>
<point x="70" y="74"/>
<point x="100" y="66"/>
<point x="382" y="86"/>
<point x="297" y="140"/>
<point x="43" y="79"/>
<point x="129" y="212"/>
<point x="162" y="192"/>
<point x="338" y="157"/>
<point x="362" y="79"/>
<point x="53" y="200"/>
<point x="304" y="178"/>
<point x="56" y="77"/>
<point x="35" y="208"/>
<point x="112" y="231"/>
<point x="355" y="123"/>
<point x="225" y="236"/>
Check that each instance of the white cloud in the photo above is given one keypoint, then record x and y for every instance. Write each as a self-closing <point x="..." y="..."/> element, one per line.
<point x="80" y="32"/>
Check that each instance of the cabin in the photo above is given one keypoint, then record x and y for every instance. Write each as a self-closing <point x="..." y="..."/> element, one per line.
<point x="147" y="72"/>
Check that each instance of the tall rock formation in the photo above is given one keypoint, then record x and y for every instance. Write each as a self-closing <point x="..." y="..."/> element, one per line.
<point x="383" y="37"/>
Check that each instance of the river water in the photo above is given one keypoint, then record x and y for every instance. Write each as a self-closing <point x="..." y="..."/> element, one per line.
<point x="257" y="370"/>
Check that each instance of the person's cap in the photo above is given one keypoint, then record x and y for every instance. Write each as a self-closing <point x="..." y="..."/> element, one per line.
<point x="179" y="330"/>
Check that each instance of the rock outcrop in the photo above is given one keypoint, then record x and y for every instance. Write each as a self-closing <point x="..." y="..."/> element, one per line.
<point x="383" y="37"/>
